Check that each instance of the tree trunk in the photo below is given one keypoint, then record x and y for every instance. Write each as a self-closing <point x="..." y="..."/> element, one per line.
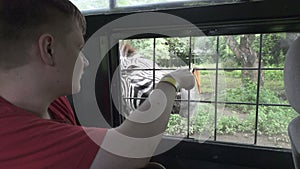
<point x="245" y="53"/>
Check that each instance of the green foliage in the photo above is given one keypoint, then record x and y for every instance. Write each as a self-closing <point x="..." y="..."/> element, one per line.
<point x="234" y="74"/>
<point x="177" y="126"/>
<point x="273" y="75"/>
<point x="143" y="46"/>
<point x="230" y="62"/>
<point x="248" y="94"/>
<point x="176" y="51"/>
<point x="242" y="94"/>
<point x="204" y="50"/>
<point x="179" y="48"/>
<point x="201" y="121"/>
<point x="227" y="57"/>
<point x="271" y="120"/>
<point x="273" y="52"/>
<point x="228" y="125"/>
<point x="169" y="52"/>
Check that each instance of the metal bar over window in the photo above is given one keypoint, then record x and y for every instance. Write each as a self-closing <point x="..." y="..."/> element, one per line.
<point x="189" y="94"/>
<point x="112" y="4"/>
<point x="258" y="88"/>
<point x="215" y="101"/>
<point x="216" y="88"/>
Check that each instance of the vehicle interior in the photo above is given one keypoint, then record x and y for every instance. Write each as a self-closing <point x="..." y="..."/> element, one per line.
<point x="238" y="118"/>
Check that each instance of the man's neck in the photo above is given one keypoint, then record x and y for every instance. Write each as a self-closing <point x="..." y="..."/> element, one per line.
<point x="31" y="104"/>
<point x="24" y="93"/>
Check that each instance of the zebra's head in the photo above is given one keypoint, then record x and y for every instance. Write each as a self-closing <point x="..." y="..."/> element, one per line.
<point x="138" y="80"/>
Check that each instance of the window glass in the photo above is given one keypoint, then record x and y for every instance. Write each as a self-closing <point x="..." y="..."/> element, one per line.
<point x="272" y="125"/>
<point x="235" y="124"/>
<point x="240" y="97"/>
<point x="126" y="3"/>
<point x="91" y="4"/>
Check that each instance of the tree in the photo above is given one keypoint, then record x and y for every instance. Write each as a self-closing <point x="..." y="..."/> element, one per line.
<point x="244" y="50"/>
<point x="179" y="50"/>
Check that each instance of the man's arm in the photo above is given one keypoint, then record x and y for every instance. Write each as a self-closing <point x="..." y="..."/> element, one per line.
<point x="131" y="145"/>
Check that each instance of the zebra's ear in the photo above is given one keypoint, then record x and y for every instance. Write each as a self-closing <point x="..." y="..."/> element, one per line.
<point x="126" y="50"/>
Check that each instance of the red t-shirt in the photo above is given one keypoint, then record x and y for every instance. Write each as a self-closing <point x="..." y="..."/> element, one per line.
<point x="29" y="142"/>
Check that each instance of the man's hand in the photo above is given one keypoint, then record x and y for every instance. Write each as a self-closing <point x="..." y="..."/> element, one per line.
<point x="183" y="77"/>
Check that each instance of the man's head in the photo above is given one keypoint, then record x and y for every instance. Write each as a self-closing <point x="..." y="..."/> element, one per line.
<point x="43" y="38"/>
<point x="23" y="21"/>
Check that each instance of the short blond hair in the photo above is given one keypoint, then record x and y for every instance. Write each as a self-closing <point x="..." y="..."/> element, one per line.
<point x="21" y="21"/>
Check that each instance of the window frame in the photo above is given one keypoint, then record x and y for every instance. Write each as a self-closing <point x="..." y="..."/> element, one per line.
<point x="180" y="4"/>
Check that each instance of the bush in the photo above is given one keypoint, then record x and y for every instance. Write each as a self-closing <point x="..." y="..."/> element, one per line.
<point x="271" y="120"/>
<point x="228" y="125"/>
<point x="274" y="75"/>
<point x="248" y="94"/>
<point x="201" y="121"/>
<point x="177" y="126"/>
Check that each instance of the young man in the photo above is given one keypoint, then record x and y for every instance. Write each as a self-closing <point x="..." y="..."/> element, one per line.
<point x="40" y="42"/>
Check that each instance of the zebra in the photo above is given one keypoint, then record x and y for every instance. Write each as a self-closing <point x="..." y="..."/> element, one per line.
<point x="137" y="81"/>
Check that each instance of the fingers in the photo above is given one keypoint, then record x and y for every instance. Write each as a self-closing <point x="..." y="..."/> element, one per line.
<point x="184" y="78"/>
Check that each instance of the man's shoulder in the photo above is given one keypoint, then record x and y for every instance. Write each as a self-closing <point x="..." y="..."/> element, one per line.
<point x="8" y="109"/>
<point x="61" y="110"/>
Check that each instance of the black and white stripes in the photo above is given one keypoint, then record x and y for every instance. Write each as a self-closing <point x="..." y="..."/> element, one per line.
<point x="138" y="77"/>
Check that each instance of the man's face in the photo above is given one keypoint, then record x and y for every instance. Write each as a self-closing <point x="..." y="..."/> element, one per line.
<point x="71" y="61"/>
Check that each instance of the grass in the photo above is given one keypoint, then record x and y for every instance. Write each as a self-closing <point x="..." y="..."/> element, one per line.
<point x="272" y="120"/>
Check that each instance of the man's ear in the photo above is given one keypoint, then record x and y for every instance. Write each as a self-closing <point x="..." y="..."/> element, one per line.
<point x="46" y="49"/>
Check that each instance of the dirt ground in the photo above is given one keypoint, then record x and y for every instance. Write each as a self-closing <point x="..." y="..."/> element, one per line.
<point x="248" y="139"/>
<point x="262" y="140"/>
<point x="278" y="141"/>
